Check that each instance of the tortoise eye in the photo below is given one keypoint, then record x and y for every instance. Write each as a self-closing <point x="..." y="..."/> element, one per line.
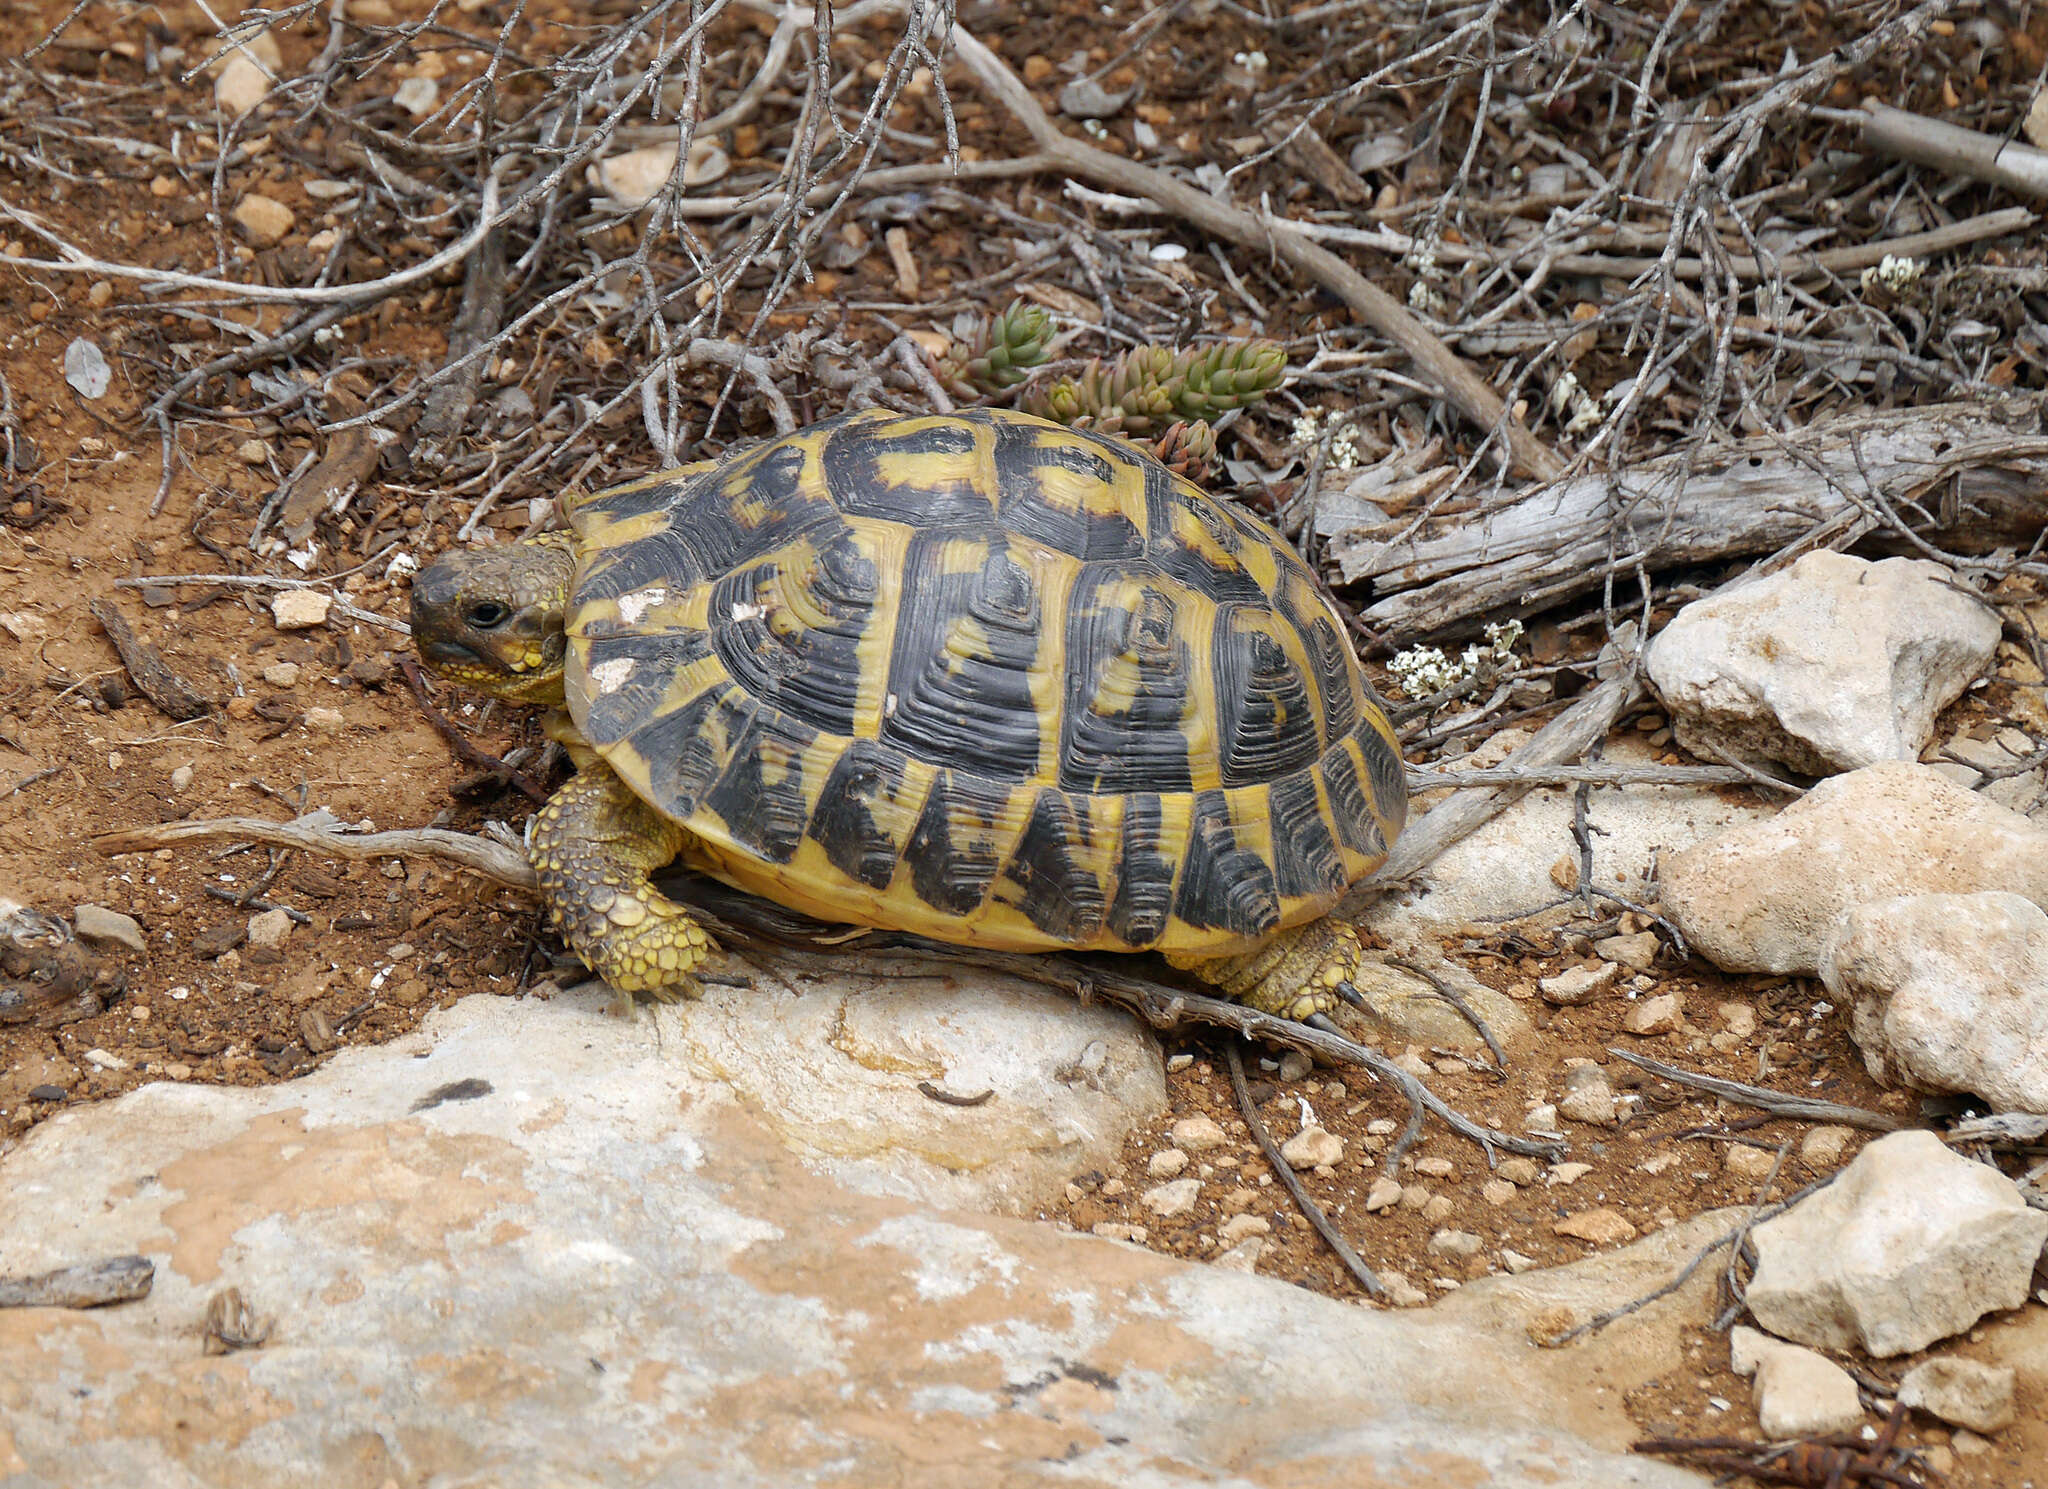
<point x="487" y="615"/>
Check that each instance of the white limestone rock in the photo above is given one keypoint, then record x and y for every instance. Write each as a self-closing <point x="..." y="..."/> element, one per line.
<point x="1832" y="664"/>
<point x="449" y="1230"/>
<point x="1767" y="896"/>
<point x="1912" y="1243"/>
<point x="1967" y="1393"/>
<point x="1948" y="992"/>
<point x="1504" y="868"/>
<point x="1802" y="1394"/>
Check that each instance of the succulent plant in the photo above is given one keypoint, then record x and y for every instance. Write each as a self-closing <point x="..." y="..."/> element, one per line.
<point x="1000" y="354"/>
<point x="1150" y="387"/>
<point x="1187" y="449"/>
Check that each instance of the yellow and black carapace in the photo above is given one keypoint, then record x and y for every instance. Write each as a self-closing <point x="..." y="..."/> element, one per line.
<point x="976" y="676"/>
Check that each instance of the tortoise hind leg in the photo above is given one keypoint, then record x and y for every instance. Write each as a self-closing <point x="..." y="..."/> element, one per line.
<point x="1295" y="974"/>
<point x="592" y="848"/>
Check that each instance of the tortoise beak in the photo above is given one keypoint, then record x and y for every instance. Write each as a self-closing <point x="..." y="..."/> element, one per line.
<point x="448" y="654"/>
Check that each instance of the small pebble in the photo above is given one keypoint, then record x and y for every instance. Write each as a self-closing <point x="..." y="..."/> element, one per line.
<point x="1313" y="1147"/>
<point x="269" y="929"/>
<point x="1567" y="1173"/>
<point x="262" y="219"/>
<point x="1384" y="1195"/>
<point x="1167" y="1163"/>
<point x="1295" y="1065"/>
<point x="104" y="927"/>
<point x="1197" y="1134"/>
<point x="1587" y="1097"/>
<point x="1455" y="1243"/>
<point x="252" y="452"/>
<point x="1497" y="1192"/>
<point x="325" y="720"/>
<point x="1519" y="1170"/>
<point x="299" y="609"/>
<point x="103" y="1059"/>
<point x="181" y="778"/>
<point x="1438" y="1209"/>
<point x="1603" y="1227"/>
<point x="1823" y="1146"/>
<point x="1662" y="1014"/>
<point x="1517" y="1263"/>
<point x="1175" y="1064"/>
<point x="1745" y="1162"/>
<point x="1237" y="1227"/>
<point x="1541" y="1119"/>
<point x="1576" y="985"/>
<point x="282" y="674"/>
<point x="1168" y="1200"/>
<point x="1436" y="1168"/>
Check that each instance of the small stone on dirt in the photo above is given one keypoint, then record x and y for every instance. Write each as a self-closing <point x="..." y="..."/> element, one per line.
<point x="1455" y="1243"/>
<point x="1169" y="1200"/>
<point x="1196" y="1134"/>
<point x="1295" y="1066"/>
<point x="417" y="96"/>
<point x="240" y="85"/>
<point x="1745" y="1162"/>
<point x="325" y="720"/>
<point x="1603" y="1227"/>
<point x="262" y="219"/>
<point x="1311" y="1147"/>
<point x="103" y="1059"/>
<point x="1587" y="1097"/>
<point x="1823" y="1146"/>
<point x="217" y="941"/>
<point x="1803" y="1394"/>
<point x="1384" y="1195"/>
<point x="1237" y="1227"/>
<point x="1638" y="953"/>
<point x="1497" y="1192"/>
<point x="1662" y="1014"/>
<point x="1166" y="1164"/>
<point x="103" y="927"/>
<point x="1519" y="1171"/>
<point x="282" y="674"/>
<point x="1517" y="1263"/>
<point x="298" y="609"/>
<point x="1967" y="1393"/>
<point x="1576" y="985"/>
<point x="269" y="929"/>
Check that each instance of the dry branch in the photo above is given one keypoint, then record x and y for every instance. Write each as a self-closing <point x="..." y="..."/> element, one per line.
<point x="1970" y="475"/>
<point x="146" y="667"/>
<point x="1957" y="151"/>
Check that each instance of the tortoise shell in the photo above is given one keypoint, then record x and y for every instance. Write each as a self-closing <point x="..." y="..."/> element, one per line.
<point x="984" y="678"/>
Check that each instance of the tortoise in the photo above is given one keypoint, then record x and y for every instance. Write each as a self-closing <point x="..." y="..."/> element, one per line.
<point x="978" y="676"/>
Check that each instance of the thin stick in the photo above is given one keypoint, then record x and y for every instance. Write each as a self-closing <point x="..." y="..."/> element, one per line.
<point x="1598" y="775"/>
<point x="1778" y="1103"/>
<point x="1313" y="1212"/>
<point x="480" y="855"/>
<point x="265" y="581"/>
<point x="466" y="752"/>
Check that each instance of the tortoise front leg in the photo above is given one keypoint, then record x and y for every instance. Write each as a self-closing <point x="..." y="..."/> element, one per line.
<point x="592" y="848"/>
<point x="1294" y="975"/>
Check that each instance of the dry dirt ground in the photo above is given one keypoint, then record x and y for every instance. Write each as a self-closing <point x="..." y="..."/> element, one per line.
<point x="319" y="718"/>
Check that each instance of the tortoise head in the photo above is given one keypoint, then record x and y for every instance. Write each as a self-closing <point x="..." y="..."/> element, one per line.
<point x="491" y="618"/>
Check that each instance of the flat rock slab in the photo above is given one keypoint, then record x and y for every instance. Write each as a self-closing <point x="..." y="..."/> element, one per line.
<point x="1768" y="896"/>
<point x="533" y="1245"/>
